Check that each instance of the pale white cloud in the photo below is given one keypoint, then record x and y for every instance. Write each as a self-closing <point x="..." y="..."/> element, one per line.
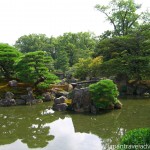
<point x="50" y="17"/>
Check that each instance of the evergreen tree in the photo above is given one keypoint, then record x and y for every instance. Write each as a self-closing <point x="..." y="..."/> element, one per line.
<point x="8" y="56"/>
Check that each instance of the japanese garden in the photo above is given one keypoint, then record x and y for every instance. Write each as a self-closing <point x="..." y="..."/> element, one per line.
<point x="60" y="92"/>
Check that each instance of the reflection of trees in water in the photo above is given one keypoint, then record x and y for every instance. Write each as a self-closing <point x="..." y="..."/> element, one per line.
<point x="112" y="125"/>
<point x="27" y="124"/>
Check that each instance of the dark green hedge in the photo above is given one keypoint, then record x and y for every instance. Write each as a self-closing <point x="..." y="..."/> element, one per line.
<point x="137" y="137"/>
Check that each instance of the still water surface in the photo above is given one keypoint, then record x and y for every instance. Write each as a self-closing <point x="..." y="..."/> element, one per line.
<point x="25" y="127"/>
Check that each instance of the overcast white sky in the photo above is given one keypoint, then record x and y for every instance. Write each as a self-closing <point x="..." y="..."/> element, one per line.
<point x="51" y="17"/>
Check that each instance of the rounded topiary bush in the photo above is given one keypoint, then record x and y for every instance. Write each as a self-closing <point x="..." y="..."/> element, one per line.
<point x="104" y="94"/>
<point x="136" y="139"/>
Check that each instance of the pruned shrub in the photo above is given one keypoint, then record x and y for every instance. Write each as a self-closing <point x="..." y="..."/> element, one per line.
<point x="104" y="93"/>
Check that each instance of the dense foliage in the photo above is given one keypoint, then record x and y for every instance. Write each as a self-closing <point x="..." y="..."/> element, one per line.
<point x="123" y="52"/>
<point x="87" y="67"/>
<point x="33" y="42"/>
<point x="137" y="137"/>
<point x="62" y="61"/>
<point x="104" y="93"/>
<point x="76" y="45"/>
<point x="128" y="55"/>
<point x="33" y="66"/>
<point x="8" y="56"/>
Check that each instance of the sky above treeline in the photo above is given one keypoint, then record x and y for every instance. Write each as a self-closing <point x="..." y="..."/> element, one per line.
<point x="51" y="17"/>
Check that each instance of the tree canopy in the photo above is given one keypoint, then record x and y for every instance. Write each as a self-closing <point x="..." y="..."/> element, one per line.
<point x="123" y="15"/>
<point x="33" y="42"/>
<point x="128" y="55"/>
<point x="8" y="56"/>
<point x="33" y="66"/>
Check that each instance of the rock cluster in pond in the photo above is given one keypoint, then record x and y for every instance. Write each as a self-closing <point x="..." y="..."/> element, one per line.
<point x="8" y="100"/>
<point x="81" y="101"/>
<point x="59" y="104"/>
<point x="24" y="99"/>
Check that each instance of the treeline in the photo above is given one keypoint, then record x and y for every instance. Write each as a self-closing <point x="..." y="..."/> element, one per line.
<point x="123" y="52"/>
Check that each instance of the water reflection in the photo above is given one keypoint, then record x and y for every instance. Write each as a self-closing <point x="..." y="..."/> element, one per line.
<point x="25" y="124"/>
<point x="36" y="127"/>
<point x="67" y="139"/>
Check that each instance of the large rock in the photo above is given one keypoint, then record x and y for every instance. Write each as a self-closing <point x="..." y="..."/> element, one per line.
<point x="60" y="100"/>
<point x="8" y="100"/>
<point x="59" y="104"/>
<point x="29" y="98"/>
<point x="5" y="102"/>
<point x="60" y="107"/>
<point x="9" y="95"/>
<point x="13" y="83"/>
<point x="81" y="99"/>
<point x="47" y="96"/>
<point x="70" y="87"/>
<point x="61" y="93"/>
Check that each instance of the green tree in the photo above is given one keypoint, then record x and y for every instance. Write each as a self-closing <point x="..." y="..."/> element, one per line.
<point x="77" y="45"/>
<point x="122" y="14"/>
<point x="62" y="61"/>
<point x="33" y="67"/>
<point x="34" y="42"/>
<point x="82" y="69"/>
<point x="8" y="56"/>
<point x="87" y="67"/>
<point x="127" y="55"/>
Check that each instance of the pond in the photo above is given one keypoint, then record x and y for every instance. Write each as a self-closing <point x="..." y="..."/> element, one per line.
<point x="36" y="127"/>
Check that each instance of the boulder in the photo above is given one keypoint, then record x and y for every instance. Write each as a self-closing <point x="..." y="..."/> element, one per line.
<point x="81" y="99"/>
<point x="61" y="93"/>
<point x="70" y="87"/>
<point x="60" y="100"/>
<point x="9" y="95"/>
<point x="13" y="83"/>
<point x="5" y="102"/>
<point x="60" y="107"/>
<point x="47" y="96"/>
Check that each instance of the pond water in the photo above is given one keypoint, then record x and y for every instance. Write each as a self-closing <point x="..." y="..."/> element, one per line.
<point x="36" y="127"/>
